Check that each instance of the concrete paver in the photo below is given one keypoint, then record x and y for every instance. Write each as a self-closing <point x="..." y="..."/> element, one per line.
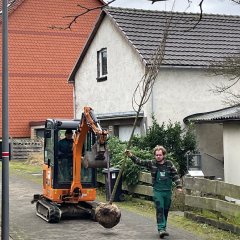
<point x="25" y="225"/>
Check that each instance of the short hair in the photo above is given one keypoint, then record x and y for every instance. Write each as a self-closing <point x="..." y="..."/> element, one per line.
<point x="69" y="131"/>
<point x="158" y="148"/>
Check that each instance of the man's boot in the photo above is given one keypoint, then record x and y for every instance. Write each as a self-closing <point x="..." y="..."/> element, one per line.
<point x="166" y="233"/>
<point x="162" y="233"/>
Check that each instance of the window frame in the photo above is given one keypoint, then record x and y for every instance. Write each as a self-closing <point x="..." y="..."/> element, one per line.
<point x="102" y="65"/>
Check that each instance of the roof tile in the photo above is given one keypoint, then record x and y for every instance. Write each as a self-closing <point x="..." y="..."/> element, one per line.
<point x="215" y="37"/>
<point x="221" y="115"/>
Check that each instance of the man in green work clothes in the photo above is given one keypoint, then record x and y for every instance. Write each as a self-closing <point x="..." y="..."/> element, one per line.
<point x="163" y="174"/>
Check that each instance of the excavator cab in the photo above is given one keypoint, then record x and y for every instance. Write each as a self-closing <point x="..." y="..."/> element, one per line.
<point x="58" y="154"/>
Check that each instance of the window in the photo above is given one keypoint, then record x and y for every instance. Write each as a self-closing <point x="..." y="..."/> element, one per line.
<point x="49" y="147"/>
<point x="102" y="64"/>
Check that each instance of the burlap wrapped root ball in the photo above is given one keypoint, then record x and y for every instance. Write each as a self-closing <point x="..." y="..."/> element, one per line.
<point x="108" y="215"/>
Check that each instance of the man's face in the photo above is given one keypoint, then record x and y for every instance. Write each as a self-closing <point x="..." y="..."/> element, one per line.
<point x="68" y="135"/>
<point x="159" y="156"/>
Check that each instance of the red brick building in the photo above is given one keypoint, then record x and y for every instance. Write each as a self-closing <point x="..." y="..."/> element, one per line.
<point x="41" y="58"/>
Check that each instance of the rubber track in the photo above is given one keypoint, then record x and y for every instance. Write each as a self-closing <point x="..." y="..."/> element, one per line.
<point x="53" y="212"/>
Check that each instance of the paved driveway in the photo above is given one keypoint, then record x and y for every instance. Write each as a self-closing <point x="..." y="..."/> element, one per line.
<point x="25" y="225"/>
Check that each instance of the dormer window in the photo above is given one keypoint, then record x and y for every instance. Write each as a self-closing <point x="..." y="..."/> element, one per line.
<point x="102" y="64"/>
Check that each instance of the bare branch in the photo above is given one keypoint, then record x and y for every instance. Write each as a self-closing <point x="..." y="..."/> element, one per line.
<point x="145" y="85"/>
<point x="231" y="98"/>
<point x="153" y="1"/>
<point x="189" y="4"/>
<point x="200" y="15"/>
<point x="193" y="19"/>
<point x="229" y="68"/>
<point x="75" y="17"/>
<point x="224" y="87"/>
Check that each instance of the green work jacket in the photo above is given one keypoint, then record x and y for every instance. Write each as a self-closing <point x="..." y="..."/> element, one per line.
<point x="163" y="175"/>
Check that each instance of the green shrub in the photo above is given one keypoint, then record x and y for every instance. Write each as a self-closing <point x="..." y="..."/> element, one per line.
<point x="176" y="140"/>
<point x="131" y="170"/>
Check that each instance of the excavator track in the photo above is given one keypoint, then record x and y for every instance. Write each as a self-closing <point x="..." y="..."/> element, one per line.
<point x="48" y="211"/>
<point x="53" y="213"/>
<point x="82" y="210"/>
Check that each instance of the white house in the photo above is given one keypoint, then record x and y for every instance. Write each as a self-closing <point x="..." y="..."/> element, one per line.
<point x="116" y="57"/>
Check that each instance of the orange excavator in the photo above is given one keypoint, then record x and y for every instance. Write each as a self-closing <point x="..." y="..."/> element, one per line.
<point x="69" y="180"/>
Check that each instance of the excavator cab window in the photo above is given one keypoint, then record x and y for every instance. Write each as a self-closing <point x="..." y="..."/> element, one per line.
<point x="65" y="160"/>
<point x="88" y="175"/>
<point x="49" y="148"/>
<point x="65" y="155"/>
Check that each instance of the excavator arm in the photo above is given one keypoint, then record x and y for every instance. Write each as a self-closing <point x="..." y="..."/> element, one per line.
<point x="88" y="123"/>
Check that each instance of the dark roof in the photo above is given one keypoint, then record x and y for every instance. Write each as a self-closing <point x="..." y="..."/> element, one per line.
<point x="215" y="37"/>
<point x="229" y="114"/>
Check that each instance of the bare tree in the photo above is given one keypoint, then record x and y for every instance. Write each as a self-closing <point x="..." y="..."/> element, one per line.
<point x="229" y="69"/>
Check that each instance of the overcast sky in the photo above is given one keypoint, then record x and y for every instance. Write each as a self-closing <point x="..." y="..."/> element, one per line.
<point x="227" y="7"/>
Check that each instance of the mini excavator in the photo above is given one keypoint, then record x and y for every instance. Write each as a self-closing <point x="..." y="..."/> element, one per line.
<point x="69" y="182"/>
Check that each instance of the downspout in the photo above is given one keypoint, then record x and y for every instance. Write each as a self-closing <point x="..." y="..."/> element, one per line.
<point x="74" y="101"/>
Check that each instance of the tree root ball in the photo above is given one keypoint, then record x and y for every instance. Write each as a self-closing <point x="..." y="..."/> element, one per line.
<point x="108" y="215"/>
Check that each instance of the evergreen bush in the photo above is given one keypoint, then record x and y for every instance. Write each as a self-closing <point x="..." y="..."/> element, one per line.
<point x="176" y="140"/>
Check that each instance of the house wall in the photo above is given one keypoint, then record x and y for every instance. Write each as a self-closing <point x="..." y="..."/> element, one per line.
<point x="179" y="92"/>
<point x="210" y="146"/>
<point x="124" y="70"/>
<point x="231" y="140"/>
<point x="125" y="131"/>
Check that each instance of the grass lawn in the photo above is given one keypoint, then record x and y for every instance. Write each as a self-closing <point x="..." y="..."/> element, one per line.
<point x="142" y="207"/>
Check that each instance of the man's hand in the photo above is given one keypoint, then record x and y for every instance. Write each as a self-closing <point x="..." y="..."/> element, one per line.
<point x="179" y="190"/>
<point x="128" y="153"/>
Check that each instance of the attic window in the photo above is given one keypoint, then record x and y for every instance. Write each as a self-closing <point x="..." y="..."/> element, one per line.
<point x="102" y="64"/>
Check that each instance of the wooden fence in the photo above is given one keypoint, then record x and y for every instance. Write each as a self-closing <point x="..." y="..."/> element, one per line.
<point x="210" y="195"/>
<point x="201" y="193"/>
<point x="142" y="188"/>
<point x="21" y="149"/>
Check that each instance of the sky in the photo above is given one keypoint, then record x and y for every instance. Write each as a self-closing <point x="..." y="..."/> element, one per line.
<point x="226" y="7"/>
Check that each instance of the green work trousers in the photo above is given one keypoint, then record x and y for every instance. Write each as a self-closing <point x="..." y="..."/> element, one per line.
<point x="162" y="200"/>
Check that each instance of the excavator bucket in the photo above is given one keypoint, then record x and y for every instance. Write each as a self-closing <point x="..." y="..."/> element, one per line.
<point x="91" y="160"/>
